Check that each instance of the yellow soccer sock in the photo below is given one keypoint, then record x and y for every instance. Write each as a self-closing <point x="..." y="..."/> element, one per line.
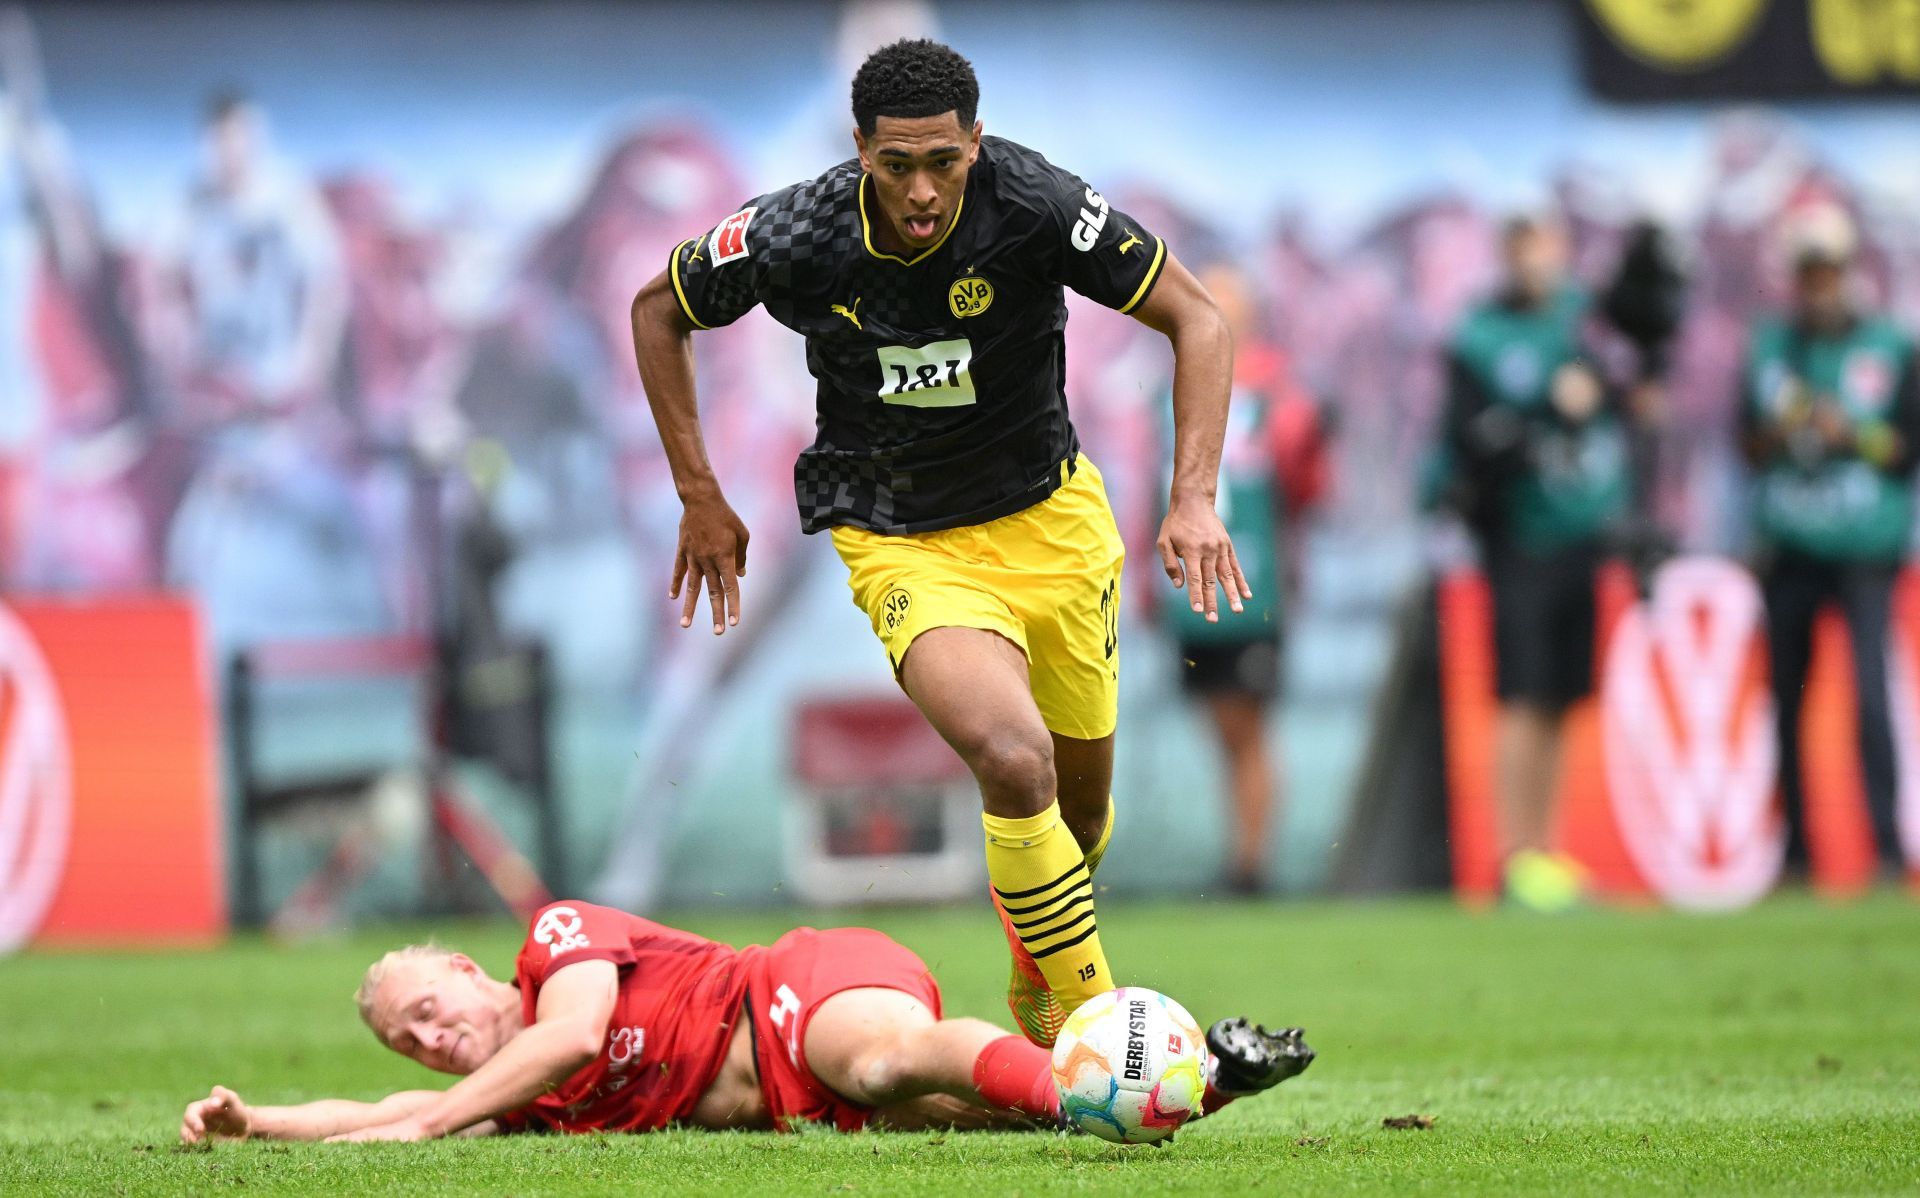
<point x="1099" y="848"/>
<point x="1042" y="882"/>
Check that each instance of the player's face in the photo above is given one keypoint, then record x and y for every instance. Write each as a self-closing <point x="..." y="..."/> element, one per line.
<point x="1536" y="260"/>
<point x="919" y="167"/>
<point x="435" y="1012"/>
<point x="231" y="144"/>
<point x="1820" y="293"/>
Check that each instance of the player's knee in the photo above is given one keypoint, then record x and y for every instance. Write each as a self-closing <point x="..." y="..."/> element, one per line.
<point x="885" y="1072"/>
<point x="1015" y="772"/>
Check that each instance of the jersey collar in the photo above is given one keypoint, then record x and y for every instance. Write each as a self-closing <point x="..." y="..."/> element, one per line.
<point x="866" y="229"/>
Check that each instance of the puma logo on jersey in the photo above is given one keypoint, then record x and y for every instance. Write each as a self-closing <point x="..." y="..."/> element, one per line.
<point x="1093" y="218"/>
<point x="852" y="313"/>
<point x="1132" y="240"/>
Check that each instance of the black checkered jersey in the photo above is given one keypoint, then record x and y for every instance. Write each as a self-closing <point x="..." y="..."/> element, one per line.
<point x="941" y="376"/>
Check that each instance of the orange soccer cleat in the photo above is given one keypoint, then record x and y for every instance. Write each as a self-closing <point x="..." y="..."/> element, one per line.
<point x="1036" y="1011"/>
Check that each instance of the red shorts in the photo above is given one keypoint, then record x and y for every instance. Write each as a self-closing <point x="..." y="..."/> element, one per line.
<point x="789" y="981"/>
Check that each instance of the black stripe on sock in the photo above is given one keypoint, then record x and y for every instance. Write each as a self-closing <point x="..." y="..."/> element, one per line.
<point x="1043" y="904"/>
<point x="1048" y="952"/>
<point x="1037" y="937"/>
<point x="1039" y="889"/>
<point x="1080" y="897"/>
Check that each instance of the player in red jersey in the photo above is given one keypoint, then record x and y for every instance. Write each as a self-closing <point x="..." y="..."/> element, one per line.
<point x="616" y="1023"/>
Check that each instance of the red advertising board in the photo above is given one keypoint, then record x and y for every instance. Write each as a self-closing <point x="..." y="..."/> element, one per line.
<point x="1668" y="779"/>
<point x="109" y="814"/>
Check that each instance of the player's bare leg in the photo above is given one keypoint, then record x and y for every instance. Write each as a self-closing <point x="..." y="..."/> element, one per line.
<point x="885" y="1049"/>
<point x="973" y="687"/>
<point x="1085" y="779"/>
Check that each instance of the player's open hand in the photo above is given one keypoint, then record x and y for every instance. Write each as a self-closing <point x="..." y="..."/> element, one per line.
<point x="712" y="552"/>
<point x="219" y="1116"/>
<point x="1198" y="555"/>
<point x="399" y="1130"/>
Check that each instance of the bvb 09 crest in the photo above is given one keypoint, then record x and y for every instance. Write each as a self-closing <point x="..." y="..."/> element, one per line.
<point x="969" y="296"/>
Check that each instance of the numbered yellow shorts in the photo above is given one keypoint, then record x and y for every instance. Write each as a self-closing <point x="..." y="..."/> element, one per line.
<point x="1047" y="579"/>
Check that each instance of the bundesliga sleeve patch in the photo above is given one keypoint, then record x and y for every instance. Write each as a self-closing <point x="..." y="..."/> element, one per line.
<point x="730" y="236"/>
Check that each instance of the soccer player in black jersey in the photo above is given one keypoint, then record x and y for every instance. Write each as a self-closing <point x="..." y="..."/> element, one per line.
<point x="926" y="276"/>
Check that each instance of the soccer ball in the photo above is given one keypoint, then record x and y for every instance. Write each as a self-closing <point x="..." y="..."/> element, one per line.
<point x="1131" y="1066"/>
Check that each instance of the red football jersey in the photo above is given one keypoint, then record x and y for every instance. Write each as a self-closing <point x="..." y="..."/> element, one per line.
<point x="680" y="997"/>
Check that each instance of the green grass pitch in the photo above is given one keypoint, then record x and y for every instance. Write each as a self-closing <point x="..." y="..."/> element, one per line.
<point x="1776" y="1051"/>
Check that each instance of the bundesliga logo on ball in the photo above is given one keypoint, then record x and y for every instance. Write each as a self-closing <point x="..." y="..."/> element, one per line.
<point x="1130" y="1065"/>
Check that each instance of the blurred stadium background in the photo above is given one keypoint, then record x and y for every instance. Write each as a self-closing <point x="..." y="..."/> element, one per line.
<point x="334" y="531"/>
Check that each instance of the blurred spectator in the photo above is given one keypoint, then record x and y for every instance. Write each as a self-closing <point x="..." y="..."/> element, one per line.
<point x="1534" y="455"/>
<point x="43" y="233"/>
<point x="1273" y="466"/>
<point x="401" y="343"/>
<point x="264" y="288"/>
<point x="1830" y="423"/>
<point x="270" y="533"/>
<point x="552" y="381"/>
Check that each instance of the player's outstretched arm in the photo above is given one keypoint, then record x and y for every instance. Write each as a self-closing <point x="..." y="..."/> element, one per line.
<point x="569" y="1028"/>
<point x="1193" y="543"/>
<point x="224" y="1115"/>
<point x="713" y="539"/>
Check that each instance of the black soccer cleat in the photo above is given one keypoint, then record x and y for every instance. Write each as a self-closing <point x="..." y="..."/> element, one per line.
<point x="1247" y="1058"/>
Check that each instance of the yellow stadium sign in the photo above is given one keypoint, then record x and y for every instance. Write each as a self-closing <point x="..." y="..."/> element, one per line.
<point x="1682" y="35"/>
<point x="1867" y="41"/>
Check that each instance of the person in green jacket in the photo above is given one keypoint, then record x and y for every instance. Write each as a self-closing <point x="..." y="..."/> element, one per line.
<point x="1830" y="422"/>
<point x="1534" y="452"/>
<point x="1272" y="468"/>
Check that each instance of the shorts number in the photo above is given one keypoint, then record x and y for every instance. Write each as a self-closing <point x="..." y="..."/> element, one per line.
<point x="936" y="375"/>
<point x="625" y="1044"/>
<point x="783" y="1011"/>
<point x="1110" y="617"/>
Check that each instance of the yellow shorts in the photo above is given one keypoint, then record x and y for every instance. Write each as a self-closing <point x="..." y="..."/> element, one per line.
<point x="1046" y="578"/>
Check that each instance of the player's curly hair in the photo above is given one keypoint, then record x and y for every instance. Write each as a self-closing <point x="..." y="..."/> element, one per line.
<point x="914" y="77"/>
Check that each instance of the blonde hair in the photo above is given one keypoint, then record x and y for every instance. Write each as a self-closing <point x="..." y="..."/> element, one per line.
<point x="380" y="970"/>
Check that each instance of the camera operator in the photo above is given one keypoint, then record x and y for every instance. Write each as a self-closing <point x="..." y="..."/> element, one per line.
<point x="1830" y="420"/>
<point x="1536" y="461"/>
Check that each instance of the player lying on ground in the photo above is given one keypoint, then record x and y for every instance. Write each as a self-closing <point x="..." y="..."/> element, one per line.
<point x="616" y="1023"/>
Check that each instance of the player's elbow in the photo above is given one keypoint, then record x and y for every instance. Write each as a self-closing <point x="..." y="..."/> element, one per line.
<point x="1211" y="328"/>
<point x="645" y="309"/>
<point x="1197" y="325"/>
<point x="578" y="1044"/>
<point x="656" y="311"/>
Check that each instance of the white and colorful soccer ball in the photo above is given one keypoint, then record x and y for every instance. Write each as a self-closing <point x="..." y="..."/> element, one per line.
<point x="1131" y="1066"/>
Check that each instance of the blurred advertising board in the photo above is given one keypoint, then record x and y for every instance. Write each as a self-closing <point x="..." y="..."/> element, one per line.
<point x="109" y="814"/>
<point x="1645" y="50"/>
<point x="1667" y="785"/>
